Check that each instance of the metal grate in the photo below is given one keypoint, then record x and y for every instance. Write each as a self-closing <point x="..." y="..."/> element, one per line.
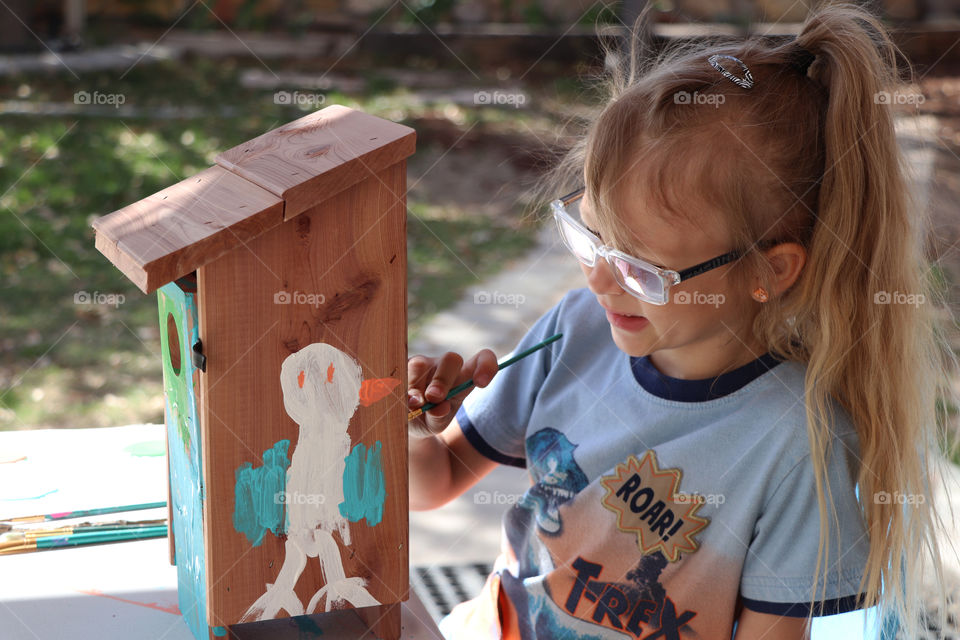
<point x="442" y="588"/>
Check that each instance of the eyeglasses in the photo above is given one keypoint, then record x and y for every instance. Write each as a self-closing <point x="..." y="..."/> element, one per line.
<point x="637" y="277"/>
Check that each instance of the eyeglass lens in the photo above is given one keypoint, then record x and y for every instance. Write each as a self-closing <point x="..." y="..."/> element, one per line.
<point x="645" y="283"/>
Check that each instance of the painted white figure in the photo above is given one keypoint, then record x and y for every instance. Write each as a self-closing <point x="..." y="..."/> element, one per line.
<point x="321" y="387"/>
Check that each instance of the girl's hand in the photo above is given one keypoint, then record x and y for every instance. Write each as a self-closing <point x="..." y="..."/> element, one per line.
<point x="430" y="379"/>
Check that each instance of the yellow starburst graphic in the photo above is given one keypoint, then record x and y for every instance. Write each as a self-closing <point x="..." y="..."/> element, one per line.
<point x="647" y="502"/>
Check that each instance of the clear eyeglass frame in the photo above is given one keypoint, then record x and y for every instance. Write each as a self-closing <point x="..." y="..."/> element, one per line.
<point x="639" y="278"/>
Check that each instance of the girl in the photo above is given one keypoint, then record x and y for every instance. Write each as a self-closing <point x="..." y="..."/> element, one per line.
<point x="738" y="428"/>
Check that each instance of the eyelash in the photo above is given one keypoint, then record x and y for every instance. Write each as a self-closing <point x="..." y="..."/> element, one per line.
<point x="597" y="234"/>
<point x="593" y="232"/>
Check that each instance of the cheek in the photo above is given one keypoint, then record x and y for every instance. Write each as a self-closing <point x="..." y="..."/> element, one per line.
<point x="676" y="319"/>
<point x="689" y="310"/>
<point x="699" y="309"/>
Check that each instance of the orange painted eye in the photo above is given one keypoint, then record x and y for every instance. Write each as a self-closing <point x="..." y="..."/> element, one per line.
<point x="330" y="373"/>
<point x="300" y="378"/>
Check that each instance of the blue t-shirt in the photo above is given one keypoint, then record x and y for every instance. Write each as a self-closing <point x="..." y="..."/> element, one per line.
<point x="657" y="506"/>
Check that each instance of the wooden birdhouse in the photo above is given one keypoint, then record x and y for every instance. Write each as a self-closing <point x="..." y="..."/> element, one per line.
<point x="281" y="279"/>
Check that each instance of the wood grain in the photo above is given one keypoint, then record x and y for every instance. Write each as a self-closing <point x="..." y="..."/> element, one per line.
<point x="351" y="248"/>
<point x="175" y="231"/>
<point x="320" y="155"/>
<point x="383" y="621"/>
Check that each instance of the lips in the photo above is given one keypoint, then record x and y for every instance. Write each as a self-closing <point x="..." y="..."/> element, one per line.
<point x="620" y="313"/>
<point x="626" y="321"/>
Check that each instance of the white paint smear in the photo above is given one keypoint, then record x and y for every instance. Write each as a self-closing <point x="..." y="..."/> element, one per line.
<point x="321" y="387"/>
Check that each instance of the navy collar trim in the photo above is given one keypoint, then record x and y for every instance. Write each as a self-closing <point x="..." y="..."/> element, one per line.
<point x="701" y="390"/>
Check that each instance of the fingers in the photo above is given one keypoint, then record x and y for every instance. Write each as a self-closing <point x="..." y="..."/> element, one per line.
<point x="419" y="371"/>
<point x="431" y="379"/>
<point x="445" y="377"/>
<point x="481" y="367"/>
<point x="435" y="377"/>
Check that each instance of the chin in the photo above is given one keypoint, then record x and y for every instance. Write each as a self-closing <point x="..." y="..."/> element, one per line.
<point x="631" y="347"/>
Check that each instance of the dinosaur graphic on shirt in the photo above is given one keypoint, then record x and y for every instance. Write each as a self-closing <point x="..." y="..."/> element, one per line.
<point x="557" y="478"/>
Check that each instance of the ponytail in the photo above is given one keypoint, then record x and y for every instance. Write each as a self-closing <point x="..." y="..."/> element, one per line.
<point x="864" y="310"/>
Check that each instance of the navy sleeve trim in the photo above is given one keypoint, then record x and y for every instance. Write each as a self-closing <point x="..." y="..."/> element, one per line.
<point x="474" y="438"/>
<point x="802" y="609"/>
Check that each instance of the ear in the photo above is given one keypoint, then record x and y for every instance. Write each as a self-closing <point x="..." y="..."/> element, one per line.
<point x="787" y="260"/>
<point x="375" y="389"/>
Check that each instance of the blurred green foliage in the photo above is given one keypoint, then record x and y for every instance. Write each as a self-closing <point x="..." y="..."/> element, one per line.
<point x="67" y="364"/>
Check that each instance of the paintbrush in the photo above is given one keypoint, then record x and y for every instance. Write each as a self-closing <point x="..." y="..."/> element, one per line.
<point x="469" y="383"/>
<point x="80" y="539"/>
<point x="65" y="515"/>
<point x="118" y="525"/>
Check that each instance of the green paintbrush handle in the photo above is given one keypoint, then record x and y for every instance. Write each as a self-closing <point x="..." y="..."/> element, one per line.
<point x="64" y="515"/>
<point x="96" y="537"/>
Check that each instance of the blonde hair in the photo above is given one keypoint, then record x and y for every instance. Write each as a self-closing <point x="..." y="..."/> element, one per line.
<point x="808" y="156"/>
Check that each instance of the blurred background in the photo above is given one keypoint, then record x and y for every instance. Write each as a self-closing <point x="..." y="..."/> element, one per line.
<point x="105" y="102"/>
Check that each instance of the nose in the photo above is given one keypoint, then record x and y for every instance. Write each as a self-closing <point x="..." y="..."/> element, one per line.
<point x="600" y="279"/>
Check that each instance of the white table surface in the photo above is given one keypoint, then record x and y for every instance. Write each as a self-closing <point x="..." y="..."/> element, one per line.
<point x="122" y="590"/>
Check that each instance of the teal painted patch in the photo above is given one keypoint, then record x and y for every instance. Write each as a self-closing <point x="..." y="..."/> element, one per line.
<point x="219" y="631"/>
<point x="307" y="627"/>
<point x="148" y="448"/>
<point x="363" y="485"/>
<point x="257" y="503"/>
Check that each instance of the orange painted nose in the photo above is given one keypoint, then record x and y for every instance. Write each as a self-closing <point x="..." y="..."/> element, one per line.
<point x="376" y="389"/>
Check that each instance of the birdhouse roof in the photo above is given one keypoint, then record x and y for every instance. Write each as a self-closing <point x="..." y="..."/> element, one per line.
<point x="253" y="187"/>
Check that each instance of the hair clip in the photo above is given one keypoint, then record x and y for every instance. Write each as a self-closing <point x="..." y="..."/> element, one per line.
<point x="746" y="81"/>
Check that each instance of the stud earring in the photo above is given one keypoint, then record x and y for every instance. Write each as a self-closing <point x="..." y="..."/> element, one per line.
<point x="760" y="294"/>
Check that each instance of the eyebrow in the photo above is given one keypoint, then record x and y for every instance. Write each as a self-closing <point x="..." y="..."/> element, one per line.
<point x="597" y="233"/>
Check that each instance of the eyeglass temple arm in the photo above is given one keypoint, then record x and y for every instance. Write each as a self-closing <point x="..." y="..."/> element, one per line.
<point x="573" y="195"/>
<point x="713" y="263"/>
